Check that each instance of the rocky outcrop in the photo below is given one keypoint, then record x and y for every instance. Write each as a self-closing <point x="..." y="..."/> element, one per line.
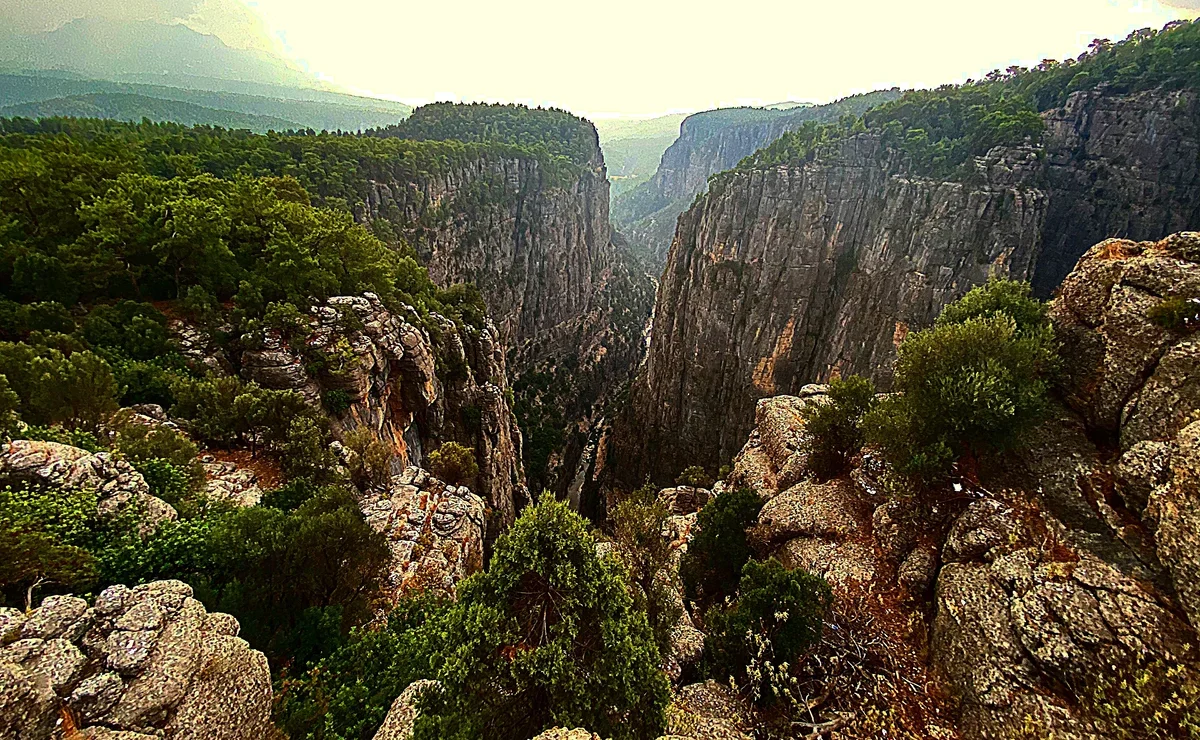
<point x="115" y="483"/>
<point x="788" y="275"/>
<point x="435" y="532"/>
<point x="708" y="143"/>
<point x="143" y="662"/>
<point x="1068" y="576"/>
<point x="410" y="392"/>
<point x="398" y="725"/>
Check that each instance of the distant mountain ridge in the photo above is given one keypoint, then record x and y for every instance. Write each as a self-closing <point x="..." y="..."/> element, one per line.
<point x="271" y="106"/>
<point x="128" y="107"/>
<point x="101" y="47"/>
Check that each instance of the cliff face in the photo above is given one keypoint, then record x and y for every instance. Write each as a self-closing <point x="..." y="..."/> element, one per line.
<point x="1062" y="585"/>
<point x="786" y="276"/>
<point x="1117" y="166"/>
<point x="536" y="243"/>
<point x="708" y="143"/>
<point x="410" y="392"/>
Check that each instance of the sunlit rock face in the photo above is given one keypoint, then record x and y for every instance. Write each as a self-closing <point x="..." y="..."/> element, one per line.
<point x="434" y="530"/>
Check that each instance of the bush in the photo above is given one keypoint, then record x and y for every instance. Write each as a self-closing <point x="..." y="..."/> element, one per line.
<point x="1178" y="314"/>
<point x="166" y="481"/>
<point x="694" y="476"/>
<point x="370" y="463"/>
<point x="76" y="391"/>
<point x="973" y="382"/>
<point x="348" y="694"/>
<point x="717" y="553"/>
<point x="834" y="428"/>
<point x="454" y="464"/>
<point x="780" y="610"/>
<point x="145" y="443"/>
<point x="648" y="556"/>
<point x="546" y="637"/>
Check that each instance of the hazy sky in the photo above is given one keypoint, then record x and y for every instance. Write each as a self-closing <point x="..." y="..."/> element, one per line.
<point x="652" y="56"/>
<point x="644" y="56"/>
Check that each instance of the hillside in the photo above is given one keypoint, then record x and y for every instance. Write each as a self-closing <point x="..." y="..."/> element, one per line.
<point x="126" y="107"/>
<point x="814" y="257"/>
<point x="99" y="47"/>
<point x="633" y="147"/>
<point x="307" y="108"/>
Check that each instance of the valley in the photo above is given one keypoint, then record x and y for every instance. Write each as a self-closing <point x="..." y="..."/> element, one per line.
<point x="331" y="417"/>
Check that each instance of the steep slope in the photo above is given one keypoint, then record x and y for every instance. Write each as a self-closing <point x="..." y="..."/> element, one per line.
<point x="815" y="256"/>
<point x="1059" y="587"/>
<point x="708" y="143"/>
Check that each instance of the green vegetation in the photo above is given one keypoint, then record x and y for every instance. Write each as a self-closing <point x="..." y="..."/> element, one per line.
<point x="547" y="636"/>
<point x="972" y="383"/>
<point x="565" y="138"/>
<point x="258" y="108"/>
<point x="637" y="526"/>
<point x="778" y="615"/>
<point x="1178" y="314"/>
<point x="943" y="129"/>
<point x="695" y="476"/>
<point x="454" y="463"/>
<point x="834" y="431"/>
<point x="717" y="553"/>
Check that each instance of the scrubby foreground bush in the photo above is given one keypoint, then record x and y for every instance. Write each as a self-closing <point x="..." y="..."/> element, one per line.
<point x="547" y="636"/>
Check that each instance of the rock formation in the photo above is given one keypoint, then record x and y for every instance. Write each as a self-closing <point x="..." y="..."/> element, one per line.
<point x="409" y="391"/>
<point x="1069" y="570"/>
<point x="114" y="481"/>
<point x="787" y="275"/>
<point x="435" y="532"/>
<point x="138" y="663"/>
<point x="568" y="299"/>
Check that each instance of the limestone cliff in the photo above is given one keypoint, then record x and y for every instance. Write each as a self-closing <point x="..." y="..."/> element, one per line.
<point x="708" y="143"/>
<point x="784" y="276"/>
<point x="569" y="301"/>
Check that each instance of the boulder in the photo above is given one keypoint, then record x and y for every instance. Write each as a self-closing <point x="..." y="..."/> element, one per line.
<point x="141" y="662"/>
<point x="398" y="725"/>
<point x="435" y="532"/>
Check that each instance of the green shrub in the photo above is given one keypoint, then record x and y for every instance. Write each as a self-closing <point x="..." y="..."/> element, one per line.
<point x="775" y="607"/>
<point x="1143" y="699"/>
<point x="638" y="524"/>
<point x="143" y="443"/>
<point x="166" y="481"/>
<point x="348" y="694"/>
<point x="1178" y="314"/>
<point x="720" y="549"/>
<point x="77" y="391"/>
<point x="73" y="437"/>
<point x="336" y="401"/>
<point x="695" y="476"/>
<point x="370" y="461"/>
<point x="834" y="428"/>
<point x="973" y="382"/>
<point x="454" y="464"/>
<point x="546" y="637"/>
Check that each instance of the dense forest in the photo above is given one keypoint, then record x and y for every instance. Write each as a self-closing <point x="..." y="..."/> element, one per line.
<point x="551" y="131"/>
<point x="943" y="129"/>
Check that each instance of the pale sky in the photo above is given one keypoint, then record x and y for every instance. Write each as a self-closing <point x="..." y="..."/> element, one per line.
<point x="647" y="56"/>
<point x="655" y="56"/>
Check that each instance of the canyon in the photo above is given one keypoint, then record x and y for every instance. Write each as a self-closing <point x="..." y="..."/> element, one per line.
<point x="787" y="275"/>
